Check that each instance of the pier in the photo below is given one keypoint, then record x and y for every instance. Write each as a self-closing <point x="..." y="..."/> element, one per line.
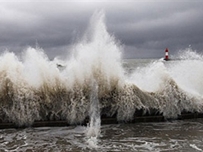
<point x="107" y="120"/>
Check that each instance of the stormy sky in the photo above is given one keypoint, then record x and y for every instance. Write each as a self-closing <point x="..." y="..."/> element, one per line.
<point x="143" y="27"/>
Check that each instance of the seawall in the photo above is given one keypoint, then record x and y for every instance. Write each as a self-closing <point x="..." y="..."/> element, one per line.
<point x="107" y="120"/>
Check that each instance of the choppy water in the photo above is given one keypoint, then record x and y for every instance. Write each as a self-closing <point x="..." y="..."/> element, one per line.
<point x="95" y="81"/>
<point x="185" y="136"/>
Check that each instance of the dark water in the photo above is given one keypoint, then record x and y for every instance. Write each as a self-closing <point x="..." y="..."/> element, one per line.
<point x="185" y="136"/>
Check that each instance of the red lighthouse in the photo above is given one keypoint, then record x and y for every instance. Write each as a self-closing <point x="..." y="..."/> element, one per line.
<point x="166" y="55"/>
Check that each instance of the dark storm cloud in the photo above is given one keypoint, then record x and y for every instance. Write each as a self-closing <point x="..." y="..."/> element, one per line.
<point x="52" y="25"/>
<point x="151" y="27"/>
<point x="144" y="28"/>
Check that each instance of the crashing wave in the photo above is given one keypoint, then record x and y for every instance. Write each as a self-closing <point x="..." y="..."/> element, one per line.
<point x="33" y="88"/>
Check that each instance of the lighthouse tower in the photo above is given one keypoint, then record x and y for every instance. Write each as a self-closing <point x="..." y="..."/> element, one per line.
<point x="166" y="55"/>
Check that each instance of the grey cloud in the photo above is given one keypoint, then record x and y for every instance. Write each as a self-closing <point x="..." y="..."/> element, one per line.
<point x="174" y="28"/>
<point x="145" y="28"/>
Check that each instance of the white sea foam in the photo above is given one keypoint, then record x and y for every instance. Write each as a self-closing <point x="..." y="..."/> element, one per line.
<point x="93" y="128"/>
<point x="150" y="78"/>
<point x="188" y="72"/>
<point x="195" y="147"/>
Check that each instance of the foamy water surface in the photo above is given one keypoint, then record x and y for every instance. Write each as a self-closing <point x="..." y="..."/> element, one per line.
<point x="143" y="137"/>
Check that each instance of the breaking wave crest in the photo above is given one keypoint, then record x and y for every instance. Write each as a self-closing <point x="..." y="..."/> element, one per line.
<point x="33" y="88"/>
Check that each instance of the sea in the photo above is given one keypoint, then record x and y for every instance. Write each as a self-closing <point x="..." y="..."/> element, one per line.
<point x="93" y="81"/>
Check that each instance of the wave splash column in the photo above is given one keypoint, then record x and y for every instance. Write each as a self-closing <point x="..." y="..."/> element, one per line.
<point x="93" y="130"/>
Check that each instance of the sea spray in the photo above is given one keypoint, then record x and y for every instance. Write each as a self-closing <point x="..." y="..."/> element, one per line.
<point x="97" y="56"/>
<point x="18" y="103"/>
<point x="168" y="83"/>
<point x="151" y="77"/>
<point x="39" y="70"/>
<point x="188" y="71"/>
<point x="93" y="128"/>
